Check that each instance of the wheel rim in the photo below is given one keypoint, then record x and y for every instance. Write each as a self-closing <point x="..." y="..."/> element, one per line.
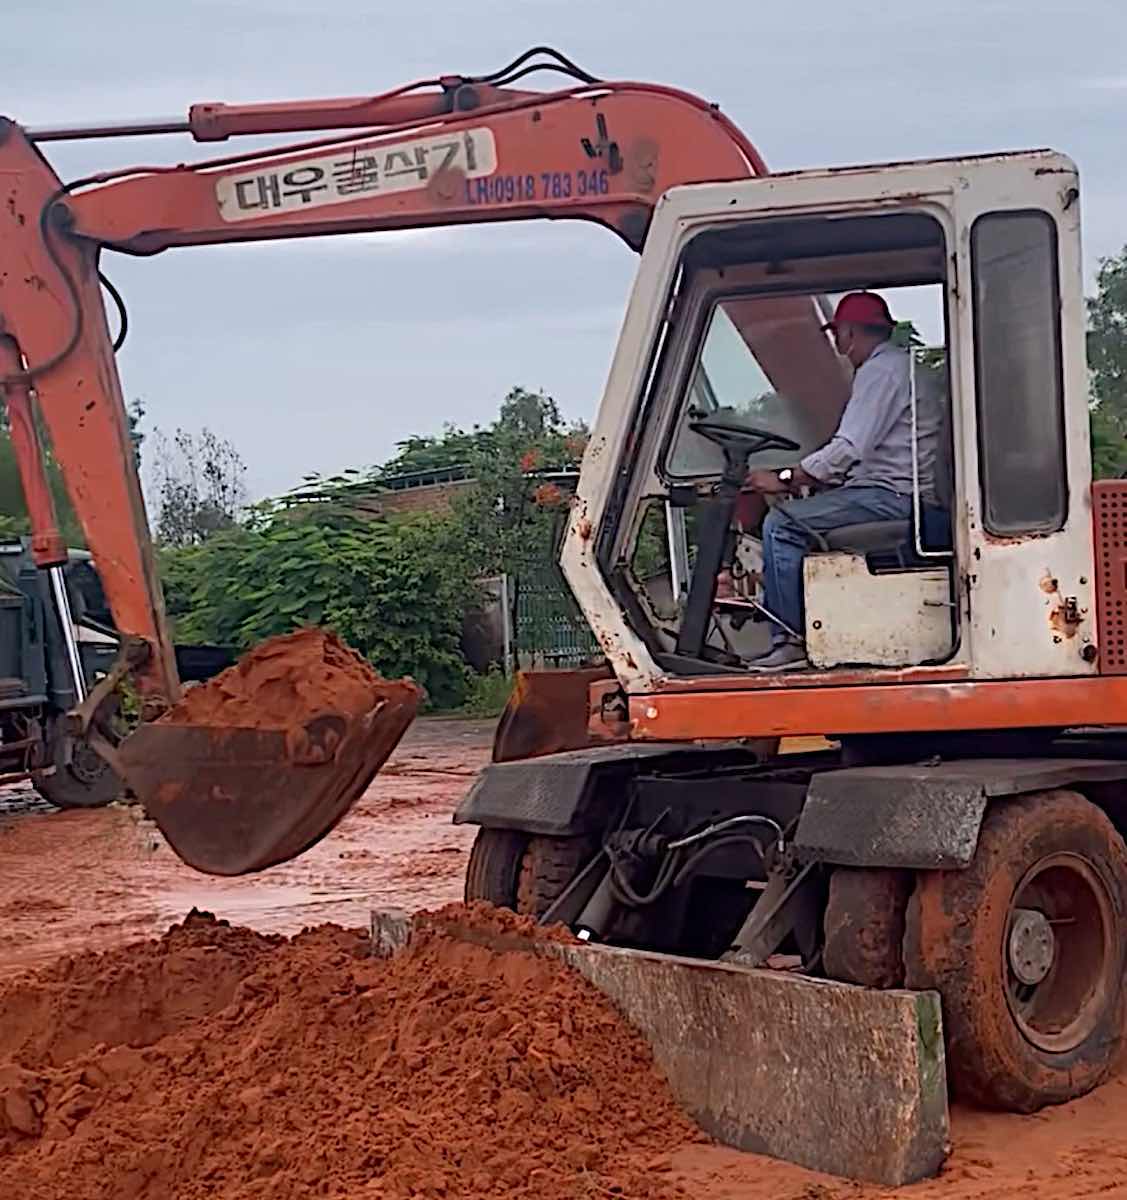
<point x="1059" y="954"/>
<point x="86" y="764"/>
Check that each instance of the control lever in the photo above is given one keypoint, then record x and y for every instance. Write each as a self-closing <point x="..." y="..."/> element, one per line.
<point x="738" y="443"/>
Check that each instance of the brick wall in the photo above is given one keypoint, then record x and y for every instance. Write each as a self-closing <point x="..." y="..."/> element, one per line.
<point x="428" y="498"/>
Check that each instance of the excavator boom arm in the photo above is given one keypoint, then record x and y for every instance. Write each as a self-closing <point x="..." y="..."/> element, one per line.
<point x="602" y="154"/>
<point x="460" y="152"/>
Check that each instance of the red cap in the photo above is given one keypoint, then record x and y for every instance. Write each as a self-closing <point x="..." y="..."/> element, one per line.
<point x="861" y="308"/>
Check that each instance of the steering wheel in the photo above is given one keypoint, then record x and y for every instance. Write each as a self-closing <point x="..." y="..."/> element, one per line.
<point x="734" y="437"/>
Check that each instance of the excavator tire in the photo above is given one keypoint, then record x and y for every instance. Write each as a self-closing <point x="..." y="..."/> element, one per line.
<point x="526" y="874"/>
<point x="494" y="866"/>
<point x="549" y="864"/>
<point x="864" y="926"/>
<point x="1026" y="948"/>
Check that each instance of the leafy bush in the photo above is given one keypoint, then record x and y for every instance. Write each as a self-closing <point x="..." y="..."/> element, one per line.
<point x="487" y="694"/>
<point x="396" y="590"/>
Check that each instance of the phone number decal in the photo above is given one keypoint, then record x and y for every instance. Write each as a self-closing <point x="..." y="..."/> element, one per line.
<point x="547" y="185"/>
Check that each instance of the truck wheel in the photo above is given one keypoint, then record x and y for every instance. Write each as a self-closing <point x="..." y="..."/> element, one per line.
<point x="1026" y="948"/>
<point x="494" y="866"/>
<point x="548" y="865"/>
<point x="87" y="781"/>
<point x="864" y="926"/>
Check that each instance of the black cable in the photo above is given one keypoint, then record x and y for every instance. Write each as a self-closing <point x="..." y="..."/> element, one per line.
<point x="729" y="839"/>
<point x="674" y="870"/>
<point x="122" y="312"/>
<point x="519" y="61"/>
<point x="623" y="891"/>
<point x="72" y="294"/>
<point x="561" y="63"/>
<point x="537" y="68"/>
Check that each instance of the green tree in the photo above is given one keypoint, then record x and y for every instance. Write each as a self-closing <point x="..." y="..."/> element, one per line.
<point x="510" y="516"/>
<point x="198" y="486"/>
<point x="397" y="588"/>
<point x="512" y="519"/>
<point x="1107" y="365"/>
<point x="453" y="447"/>
<point x="509" y="522"/>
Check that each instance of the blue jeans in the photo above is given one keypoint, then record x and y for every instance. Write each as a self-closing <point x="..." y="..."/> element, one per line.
<point x="785" y="544"/>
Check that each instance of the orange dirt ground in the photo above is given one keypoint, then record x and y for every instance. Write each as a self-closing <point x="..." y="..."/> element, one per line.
<point x="228" y="1026"/>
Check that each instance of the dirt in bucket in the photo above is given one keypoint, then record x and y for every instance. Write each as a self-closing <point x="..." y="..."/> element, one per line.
<point x="286" y="681"/>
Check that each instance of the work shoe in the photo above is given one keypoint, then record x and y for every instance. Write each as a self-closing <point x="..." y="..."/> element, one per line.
<point x="783" y="656"/>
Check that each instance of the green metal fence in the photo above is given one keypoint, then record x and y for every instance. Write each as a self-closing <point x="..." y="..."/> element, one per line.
<point x="550" y="630"/>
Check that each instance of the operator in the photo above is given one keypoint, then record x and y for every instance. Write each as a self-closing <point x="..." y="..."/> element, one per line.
<point x="863" y="473"/>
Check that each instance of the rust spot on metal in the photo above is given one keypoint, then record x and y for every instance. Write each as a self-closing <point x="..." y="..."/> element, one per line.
<point x="1015" y="539"/>
<point x="1049" y="584"/>
<point x="447" y="186"/>
<point x="584" y="528"/>
<point x="1065" y="618"/>
<point x="642" y="160"/>
<point x="548" y="712"/>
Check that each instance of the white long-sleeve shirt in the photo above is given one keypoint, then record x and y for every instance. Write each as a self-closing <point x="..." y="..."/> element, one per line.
<point x="872" y="446"/>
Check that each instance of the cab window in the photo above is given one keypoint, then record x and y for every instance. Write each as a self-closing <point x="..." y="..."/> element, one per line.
<point x="1020" y="393"/>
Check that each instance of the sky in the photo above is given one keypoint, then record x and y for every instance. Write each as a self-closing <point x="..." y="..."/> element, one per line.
<point x="320" y="354"/>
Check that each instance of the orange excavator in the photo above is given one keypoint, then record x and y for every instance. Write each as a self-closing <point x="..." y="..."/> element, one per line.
<point x="452" y="150"/>
<point x="964" y="833"/>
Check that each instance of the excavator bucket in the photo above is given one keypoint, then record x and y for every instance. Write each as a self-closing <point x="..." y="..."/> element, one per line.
<point x="235" y="800"/>
<point x="258" y="764"/>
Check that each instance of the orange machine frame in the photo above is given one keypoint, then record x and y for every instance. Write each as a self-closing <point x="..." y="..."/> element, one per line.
<point x="625" y="144"/>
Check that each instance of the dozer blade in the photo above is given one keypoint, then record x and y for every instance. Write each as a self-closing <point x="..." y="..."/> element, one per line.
<point x="833" y="1077"/>
<point x="235" y="800"/>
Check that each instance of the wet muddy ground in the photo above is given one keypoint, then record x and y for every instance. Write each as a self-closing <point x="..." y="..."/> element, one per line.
<point x="76" y="880"/>
<point x="79" y="880"/>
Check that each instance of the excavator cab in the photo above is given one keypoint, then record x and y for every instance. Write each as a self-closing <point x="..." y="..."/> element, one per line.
<point x="725" y="334"/>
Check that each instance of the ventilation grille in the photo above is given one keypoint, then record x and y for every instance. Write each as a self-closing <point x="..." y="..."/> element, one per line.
<point x="1109" y="510"/>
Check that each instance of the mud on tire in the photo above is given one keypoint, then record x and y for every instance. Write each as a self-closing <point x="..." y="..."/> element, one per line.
<point x="548" y="865"/>
<point x="87" y="781"/>
<point x="864" y="926"/>
<point x="494" y="866"/>
<point x="527" y="874"/>
<point x="1013" y="1043"/>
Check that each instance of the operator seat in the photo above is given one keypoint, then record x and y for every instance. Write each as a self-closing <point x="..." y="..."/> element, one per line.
<point x="898" y="537"/>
